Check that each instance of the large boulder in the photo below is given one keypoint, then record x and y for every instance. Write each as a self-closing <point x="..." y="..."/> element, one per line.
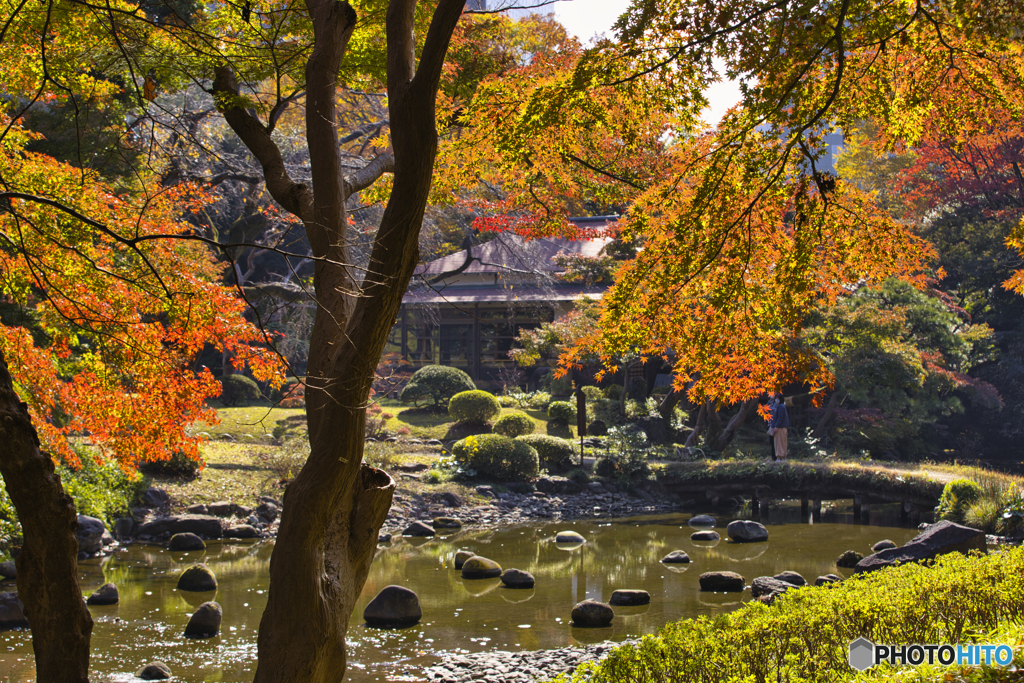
<point x="792" y="577"/>
<point x="155" y="498"/>
<point x="721" y="582"/>
<point x="200" y="525"/>
<point x="592" y="614"/>
<point x="478" y="567"/>
<point x="767" y="585"/>
<point x="517" y="578"/>
<point x="8" y="570"/>
<point x="745" y="531"/>
<point x="676" y="557"/>
<point x="12" y="612"/>
<point x="186" y="542"/>
<point x="154" y="671"/>
<point x="702" y="521"/>
<point x="461" y="557"/>
<point x="198" y="578"/>
<point x="849" y="559"/>
<point x="629" y="598"/>
<point x="418" y="529"/>
<point x="705" y="535"/>
<point x="104" y="595"/>
<point x="205" y="621"/>
<point x="241" y="531"/>
<point x="938" y="539"/>
<point x="123" y="528"/>
<point x="89" y="534"/>
<point x="394" y="607"/>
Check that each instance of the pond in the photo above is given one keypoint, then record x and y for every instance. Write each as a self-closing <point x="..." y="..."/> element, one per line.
<point x="458" y="616"/>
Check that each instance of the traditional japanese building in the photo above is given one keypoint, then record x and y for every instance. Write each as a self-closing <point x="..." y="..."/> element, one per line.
<point x="465" y="310"/>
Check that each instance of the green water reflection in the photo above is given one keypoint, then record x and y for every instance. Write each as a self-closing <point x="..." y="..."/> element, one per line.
<point x="462" y="616"/>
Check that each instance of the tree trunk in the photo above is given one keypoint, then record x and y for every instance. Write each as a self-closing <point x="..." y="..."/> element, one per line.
<point x="335" y="506"/>
<point x="691" y="440"/>
<point x="48" y="562"/>
<point x="821" y="429"/>
<point x="727" y="435"/>
<point x="714" y="429"/>
<point x="669" y="403"/>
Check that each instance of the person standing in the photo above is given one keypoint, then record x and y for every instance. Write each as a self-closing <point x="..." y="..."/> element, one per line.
<point x="778" y="427"/>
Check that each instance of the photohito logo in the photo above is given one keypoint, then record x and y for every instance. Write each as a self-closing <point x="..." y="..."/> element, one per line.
<point x="864" y="654"/>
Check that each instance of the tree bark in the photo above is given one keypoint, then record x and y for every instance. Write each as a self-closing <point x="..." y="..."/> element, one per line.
<point x="727" y="435"/>
<point x="821" y="429"/>
<point x="48" y="562"/>
<point x="335" y="506"/>
<point x="714" y="428"/>
<point x="702" y="416"/>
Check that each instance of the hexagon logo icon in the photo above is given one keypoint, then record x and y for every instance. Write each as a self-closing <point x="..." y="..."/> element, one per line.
<point x="862" y="654"/>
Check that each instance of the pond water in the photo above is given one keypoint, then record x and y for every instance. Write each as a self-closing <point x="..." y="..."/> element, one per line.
<point x="458" y="616"/>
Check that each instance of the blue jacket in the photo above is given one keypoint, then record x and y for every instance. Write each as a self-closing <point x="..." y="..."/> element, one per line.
<point x="780" y="417"/>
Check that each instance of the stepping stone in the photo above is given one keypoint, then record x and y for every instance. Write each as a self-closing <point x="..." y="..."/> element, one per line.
<point x="629" y="598"/>
<point x="517" y="578"/>
<point x="104" y="595"/>
<point x="205" y="621"/>
<point x="393" y="607"/>
<point x="592" y="614"/>
<point x="676" y="557"/>
<point x="478" y="567"/>
<point x="721" y="582"/>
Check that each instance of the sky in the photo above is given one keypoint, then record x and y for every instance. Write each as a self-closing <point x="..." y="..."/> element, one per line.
<point x="587" y="18"/>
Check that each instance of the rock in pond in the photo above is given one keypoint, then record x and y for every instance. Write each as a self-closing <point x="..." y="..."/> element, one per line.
<point x="418" y="529"/>
<point x="792" y="578"/>
<point x="478" y="567"/>
<point x="883" y="545"/>
<point x="447" y="523"/>
<point x="461" y="557"/>
<point x="706" y="535"/>
<point x="123" y="528"/>
<point x="12" y="612"/>
<point x="827" y="578"/>
<point x="569" y="537"/>
<point x="8" y="570"/>
<point x="186" y="542"/>
<point x="517" y="578"/>
<point x="89" y="534"/>
<point x="200" y="525"/>
<point x="197" y="578"/>
<point x="104" y="595"/>
<point x="745" y="531"/>
<point x="767" y="585"/>
<point x="721" y="582"/>
<point x="629" y="598"/>
<point x="592" y="614"/>
<point x="938" y="539"/>
<point x="154" y="671"/>
<point x="702" y="521"/>
<point x="849" y="559"/>
<point x="676" y="557"/>
<point x="241" y="531"/>
<point x="393" y="607"/>
<point x="205" y="621"/>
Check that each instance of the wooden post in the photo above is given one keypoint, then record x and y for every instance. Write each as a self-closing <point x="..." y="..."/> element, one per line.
<point x="755" y="504"/>
<point x="804" y="508"/>
<point x="816" y="511"/>
<point x="856" y="508"/>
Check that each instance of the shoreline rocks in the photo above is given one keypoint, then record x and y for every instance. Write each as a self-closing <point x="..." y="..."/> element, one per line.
<point x="513" y="667"/>
<point x="938" y="539"/>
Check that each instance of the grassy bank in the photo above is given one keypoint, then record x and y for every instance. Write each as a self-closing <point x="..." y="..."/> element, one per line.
<point x="805" y="634"/>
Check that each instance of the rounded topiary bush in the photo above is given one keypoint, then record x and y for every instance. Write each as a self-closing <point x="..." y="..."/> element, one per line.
<point x="437" y="382"/>
<point x="514" y="424"/>
<point x="554" y="453"/>
<point x="957" y="498"/>
<point x="497" y="457"/>
<point x="606" y="467"/>
<point x="613" y="391"/>
<point x="238" y="390"/>
<point x="474" y="406"/>
<point x="562" y="411"/>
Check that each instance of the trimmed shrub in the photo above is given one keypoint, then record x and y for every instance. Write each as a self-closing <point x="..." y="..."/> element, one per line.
<point x="514" y="424"/>
<point x="559" y="429"/>
<point x="474" y="406"/>
<point x="606" y="467"/>
<point x="613" y="391"/>
<point x="554" y="453"/>
<point x="238" y="390"/>
<point x="592" y="393"/>
<point x="437" y="382"/>
<point x="562" y="410"/>
<point x="957" y="498"/>
<point x="498" y="457"/>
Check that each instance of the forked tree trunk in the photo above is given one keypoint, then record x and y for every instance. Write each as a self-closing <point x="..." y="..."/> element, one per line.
<point x="729" y="433"/>
<point x="694" y="437"/>
<point x="336" y="505"/>
<point x="821" y="429"/>
<point x="48" y="562"/>
<point x="714" y="425"/>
